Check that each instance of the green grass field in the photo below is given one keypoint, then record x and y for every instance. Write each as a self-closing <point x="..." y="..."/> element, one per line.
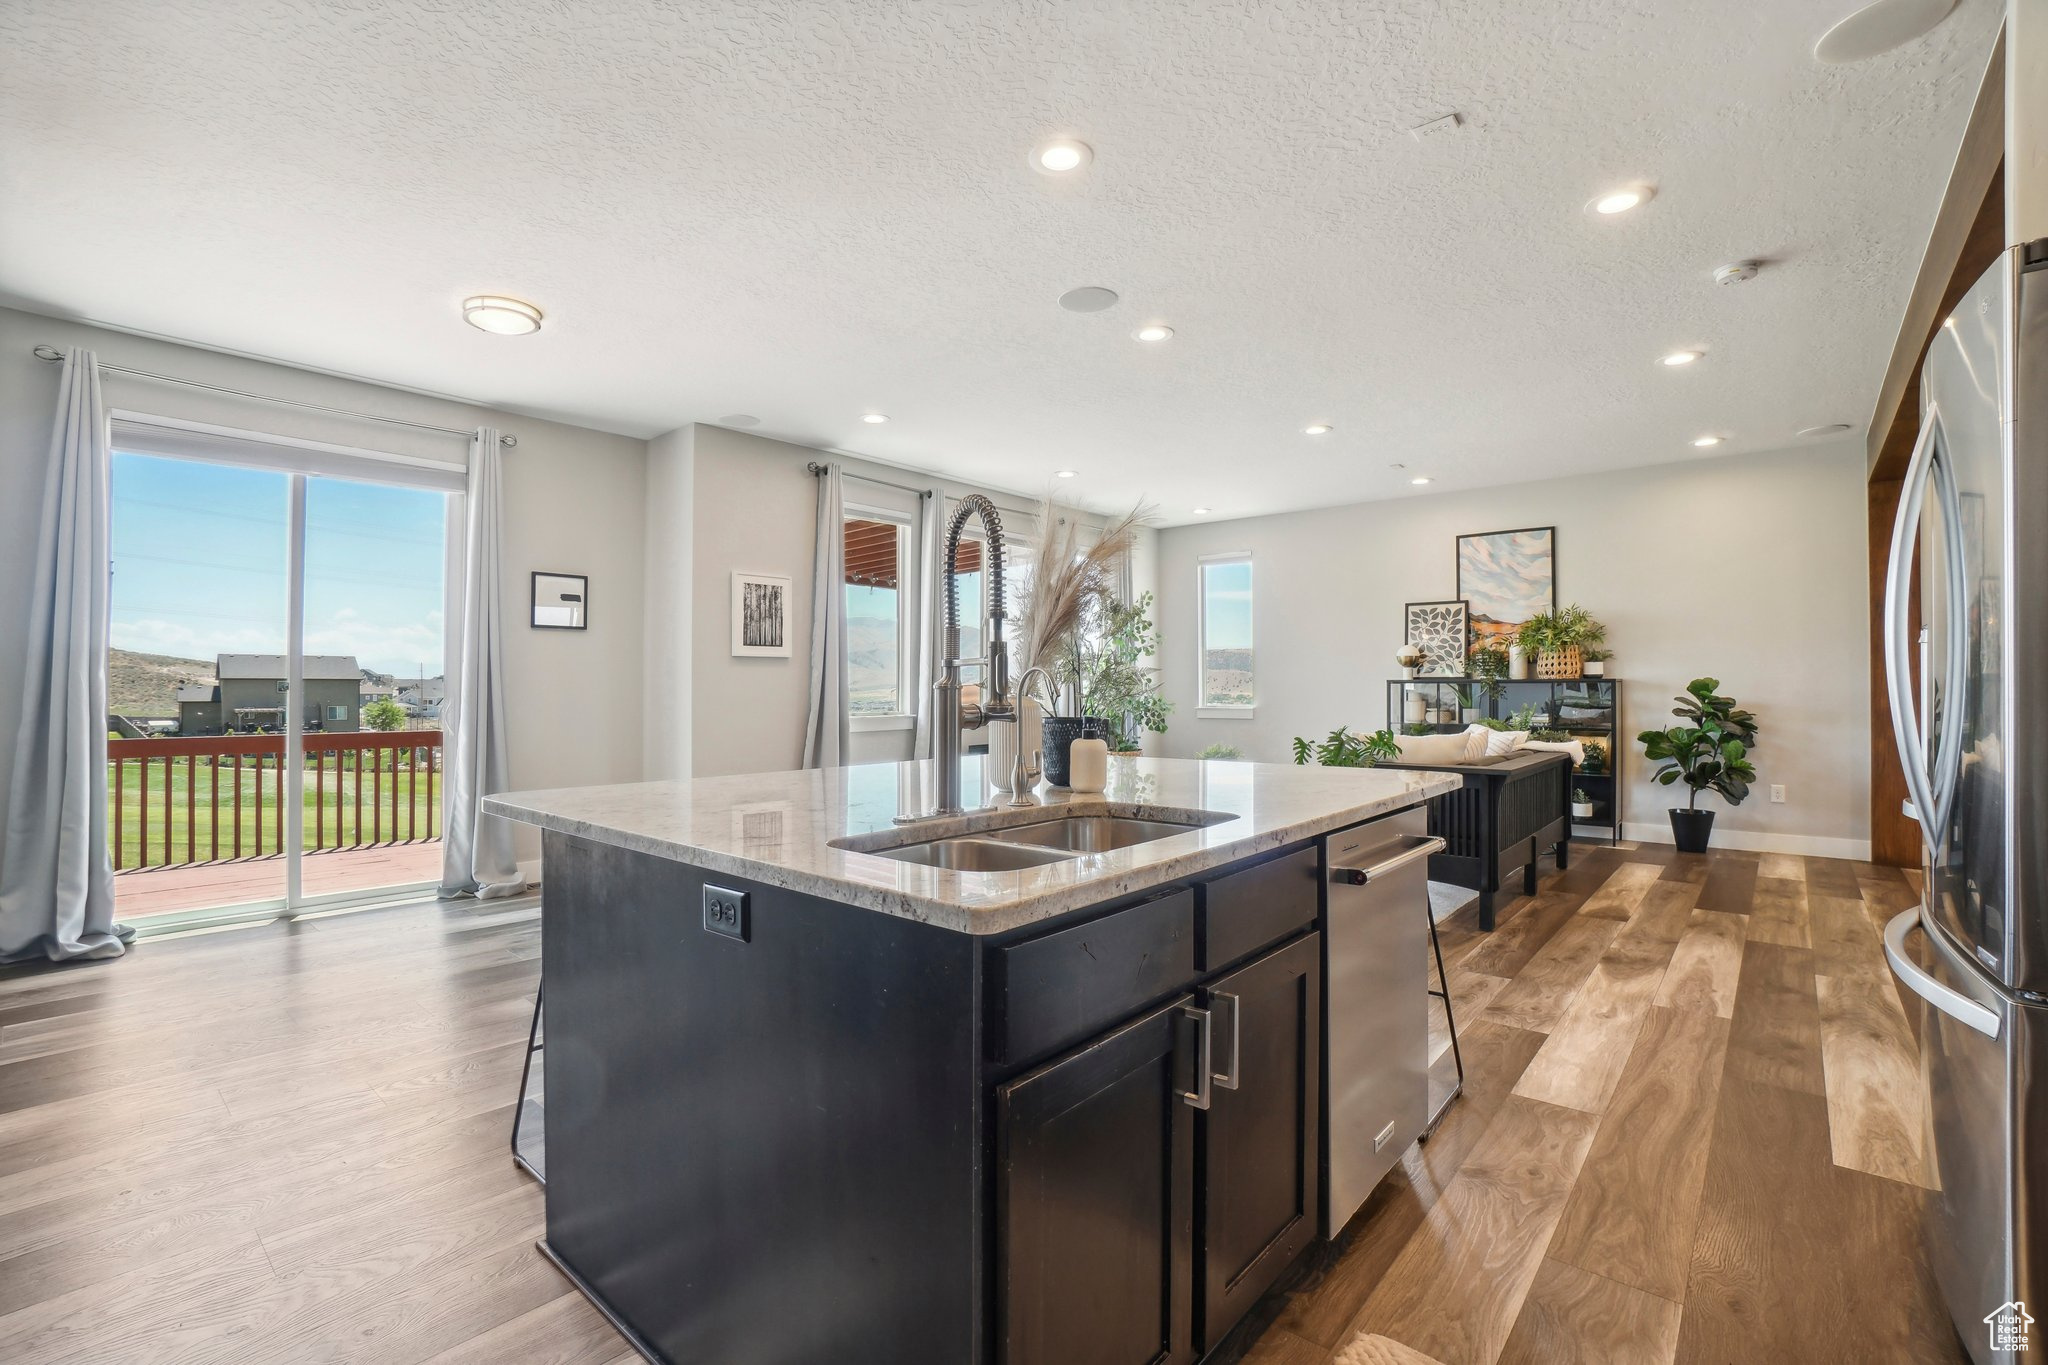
<point x="329" y="823"/>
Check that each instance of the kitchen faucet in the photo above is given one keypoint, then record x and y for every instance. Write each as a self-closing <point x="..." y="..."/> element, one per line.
<point x="950" y="717"/>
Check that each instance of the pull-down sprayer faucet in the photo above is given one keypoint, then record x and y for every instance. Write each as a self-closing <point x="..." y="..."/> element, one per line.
<point x="949" y="716"/>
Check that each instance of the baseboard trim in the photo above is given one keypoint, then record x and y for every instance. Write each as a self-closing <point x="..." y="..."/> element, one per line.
<point x="529" y="871"/>
<point x="1756" y="841"/>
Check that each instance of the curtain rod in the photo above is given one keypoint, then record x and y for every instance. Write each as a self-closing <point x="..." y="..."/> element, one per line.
<point x="51" y="353"/>
<point x="817" y="469"/>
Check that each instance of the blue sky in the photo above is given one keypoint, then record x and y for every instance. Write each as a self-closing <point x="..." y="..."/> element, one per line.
<point x="1227" y="605"/>
<point x="199" y="565"/>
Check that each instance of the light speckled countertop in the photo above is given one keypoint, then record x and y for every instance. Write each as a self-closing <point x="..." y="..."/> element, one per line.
<point x="780" y="828"/>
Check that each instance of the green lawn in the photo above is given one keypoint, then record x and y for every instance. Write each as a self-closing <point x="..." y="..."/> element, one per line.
<point x="215" y="790"/>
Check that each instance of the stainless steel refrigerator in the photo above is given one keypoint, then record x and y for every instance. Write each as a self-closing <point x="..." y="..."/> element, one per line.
<point x="1974" y="740"/>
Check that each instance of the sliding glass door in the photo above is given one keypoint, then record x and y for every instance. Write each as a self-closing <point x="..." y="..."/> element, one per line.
<point x="276" y="680"/>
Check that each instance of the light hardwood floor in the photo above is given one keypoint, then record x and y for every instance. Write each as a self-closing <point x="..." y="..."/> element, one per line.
<point x="1687" y="1135"/>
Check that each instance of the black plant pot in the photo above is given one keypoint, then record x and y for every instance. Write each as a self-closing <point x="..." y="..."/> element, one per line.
<point x="1057" y="734"/>
<point x="1691" y="829"/>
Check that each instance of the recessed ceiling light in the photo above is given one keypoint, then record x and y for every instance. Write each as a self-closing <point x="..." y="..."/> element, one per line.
<point x="1317" y="429"/>
<point x="1089" y="298"/>
<point x="1201" y="511"/>
<point x="1623" y="199"/>
<point x="1061" y="155"/>
<point x="1704" y="441"/>
<point x="1880" y="27"/>
<point x="1419" y="480"/>
<point x="873" y="418"/>
<point x="1677" y="358"/>
<point x="1153" y="331"/>
<point x="1826" y="429"/>
<point x="504" y="316"/>
<point x="739" y="419"/>
<point x="1068" y="473"/>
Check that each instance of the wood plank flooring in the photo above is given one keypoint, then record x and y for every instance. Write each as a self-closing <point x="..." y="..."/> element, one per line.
<point x="1687" y="1135"/>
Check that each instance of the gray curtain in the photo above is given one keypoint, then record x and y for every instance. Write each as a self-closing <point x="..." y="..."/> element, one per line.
<point x="477" y="856"/>
<point x="56" y="873"/>
<point x="931" y="551"/>
<point x="826" y="733"/>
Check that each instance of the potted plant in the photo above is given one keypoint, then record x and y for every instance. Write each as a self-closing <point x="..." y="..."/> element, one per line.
<point x="1559" y="639"/>
<point x="1220" y="751"/>
<point x="1468" y="703"/>
<point x="1409" y="658"/>
<point x="1115" y="683"/>
<point x="1342" y="749"/>
<point x="1596" y="660"/>
<point x="1489" y="666"/>
<point x="1582" y="804"/>
<point x="1063" y="606"/>
<point x="1595" y="761"/>
<point x="1710" y="752"/>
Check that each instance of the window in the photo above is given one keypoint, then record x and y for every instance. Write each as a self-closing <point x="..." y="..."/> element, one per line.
<point x="337" y="713"/>
<point x="1227" y="673"/>
<point x="875" y="656"/>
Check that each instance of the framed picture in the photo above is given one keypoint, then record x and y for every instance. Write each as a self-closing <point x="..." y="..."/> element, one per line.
<point x="1506" y="577"/>
<point x="1439" y="630"/>
<point x="760" y="616"/>
<point x="561" y="601"/>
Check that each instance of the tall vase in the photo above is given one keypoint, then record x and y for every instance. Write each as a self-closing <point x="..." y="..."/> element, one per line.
<point x="1518" y="663"/>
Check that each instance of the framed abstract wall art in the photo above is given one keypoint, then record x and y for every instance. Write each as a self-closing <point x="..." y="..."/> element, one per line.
<point x="1506" y="577"/>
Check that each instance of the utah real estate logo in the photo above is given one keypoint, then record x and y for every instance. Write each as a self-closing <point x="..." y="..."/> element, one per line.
<point x="2008" y="1323"/>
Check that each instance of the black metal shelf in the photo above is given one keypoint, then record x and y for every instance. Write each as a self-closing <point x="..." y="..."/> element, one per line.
<point x="1444" y="698"/>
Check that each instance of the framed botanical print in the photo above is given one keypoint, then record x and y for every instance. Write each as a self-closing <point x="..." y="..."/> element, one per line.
<point x="1439" y="630"/>
<point x="1506" y="577"/>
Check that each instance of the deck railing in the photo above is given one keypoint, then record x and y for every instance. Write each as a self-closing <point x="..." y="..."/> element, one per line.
<point x="215" y="798"/>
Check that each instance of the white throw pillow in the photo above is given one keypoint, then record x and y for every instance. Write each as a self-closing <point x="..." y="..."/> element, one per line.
<point x="1500" y="743"/>
<point x="1431" y="748"/>
<point x="1475" y="742"/>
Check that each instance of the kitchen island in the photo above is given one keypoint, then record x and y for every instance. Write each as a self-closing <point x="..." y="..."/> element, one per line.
<point x="1031" y="1085"/>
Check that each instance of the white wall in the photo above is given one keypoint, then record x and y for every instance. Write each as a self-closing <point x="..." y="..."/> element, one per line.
<point x="574" y="503"/>
<point x="1751" y="569"/>
<point x="671" y="575"/>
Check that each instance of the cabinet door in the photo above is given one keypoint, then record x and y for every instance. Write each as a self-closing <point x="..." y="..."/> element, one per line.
<point x="1258" y="1141"/>
<point x="1094" y="1190"/>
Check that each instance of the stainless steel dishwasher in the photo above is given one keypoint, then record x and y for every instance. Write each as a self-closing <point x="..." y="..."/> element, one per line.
<point x="1376" y="1055"/>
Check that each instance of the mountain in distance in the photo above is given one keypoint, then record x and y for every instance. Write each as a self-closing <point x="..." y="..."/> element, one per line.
<point x="147" y="684"/>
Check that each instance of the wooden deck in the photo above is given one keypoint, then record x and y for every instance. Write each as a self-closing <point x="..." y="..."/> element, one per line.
<point x="1685" y="1137"/>
<point x="163" y="890"/>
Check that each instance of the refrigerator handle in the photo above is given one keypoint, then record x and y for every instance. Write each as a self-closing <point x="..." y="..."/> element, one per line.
<point x="1898" y="669"/>
<point x="1922" y="982"/>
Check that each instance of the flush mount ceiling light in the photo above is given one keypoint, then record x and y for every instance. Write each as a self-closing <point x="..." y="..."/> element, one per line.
<point x="1068" y="473"/>
<point x="1419" y="480"/>
<point x="873" y="418"/>
<point x="1060" y="155"/>
<point x="1677" y="358"/>
<point x="505" y="316"/>
<point x="1153" y="331"/>
<point x="1622" y="200"/>
<point x="1316" y="429"/>
<point x="739" y="419"/>
<point x="1826" y="429"/>
<point x="1878" y="28"/>
<point x="1089" y="298"/>
<point x="1705" y="441"/>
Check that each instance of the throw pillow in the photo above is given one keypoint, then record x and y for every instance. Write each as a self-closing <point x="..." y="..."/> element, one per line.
<point x="1501" y="742"/>
<point x="1431" y="749"/>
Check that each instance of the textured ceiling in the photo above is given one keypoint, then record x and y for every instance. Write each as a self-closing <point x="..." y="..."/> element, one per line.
<point x="808" y="211"/>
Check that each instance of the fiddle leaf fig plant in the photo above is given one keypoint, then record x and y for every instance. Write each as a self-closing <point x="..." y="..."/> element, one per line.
<point x="1711" y="751"/>
<point x="1343" y="749"/>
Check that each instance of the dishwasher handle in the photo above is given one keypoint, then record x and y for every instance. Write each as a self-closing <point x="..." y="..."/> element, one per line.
<point x="1415" y="846"/>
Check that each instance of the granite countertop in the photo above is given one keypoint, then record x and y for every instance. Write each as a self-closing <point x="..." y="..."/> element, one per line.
<point x="785" y="829"/>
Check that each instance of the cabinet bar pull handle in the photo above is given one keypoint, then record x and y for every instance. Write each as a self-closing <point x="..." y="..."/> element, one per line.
<point x="1418" y="846"/>
<point x="1205" y="1058"/>
<point x="1228" y="1078"/>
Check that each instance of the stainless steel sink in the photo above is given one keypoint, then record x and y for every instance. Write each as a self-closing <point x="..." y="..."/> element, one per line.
<point x="976" y="854"/>
<point x="1090" y="833"/>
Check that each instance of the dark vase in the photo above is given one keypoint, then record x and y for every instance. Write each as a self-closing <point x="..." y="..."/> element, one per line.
<point x="1057" y="734"/>
<point x="1690" y="830"/>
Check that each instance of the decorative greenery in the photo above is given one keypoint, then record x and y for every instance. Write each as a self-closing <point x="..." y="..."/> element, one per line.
<point x="1710" y="752"/>
<point x="1115" y="683"/>
<point x="1550" y="631"/>
<point x="1418" y="727"/>
<point x="1220" y="751"/>
<point x="1342" y="749"/>
<point x="1595" y="761"/>
<point x="1597" y="653"/>
<point x="1550" y="736"/>
<point x="1489" y="665"/>
<point x="1524" y="717"/>
<point x="1073" y="583"/>
<point x="1579" y="797"/>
